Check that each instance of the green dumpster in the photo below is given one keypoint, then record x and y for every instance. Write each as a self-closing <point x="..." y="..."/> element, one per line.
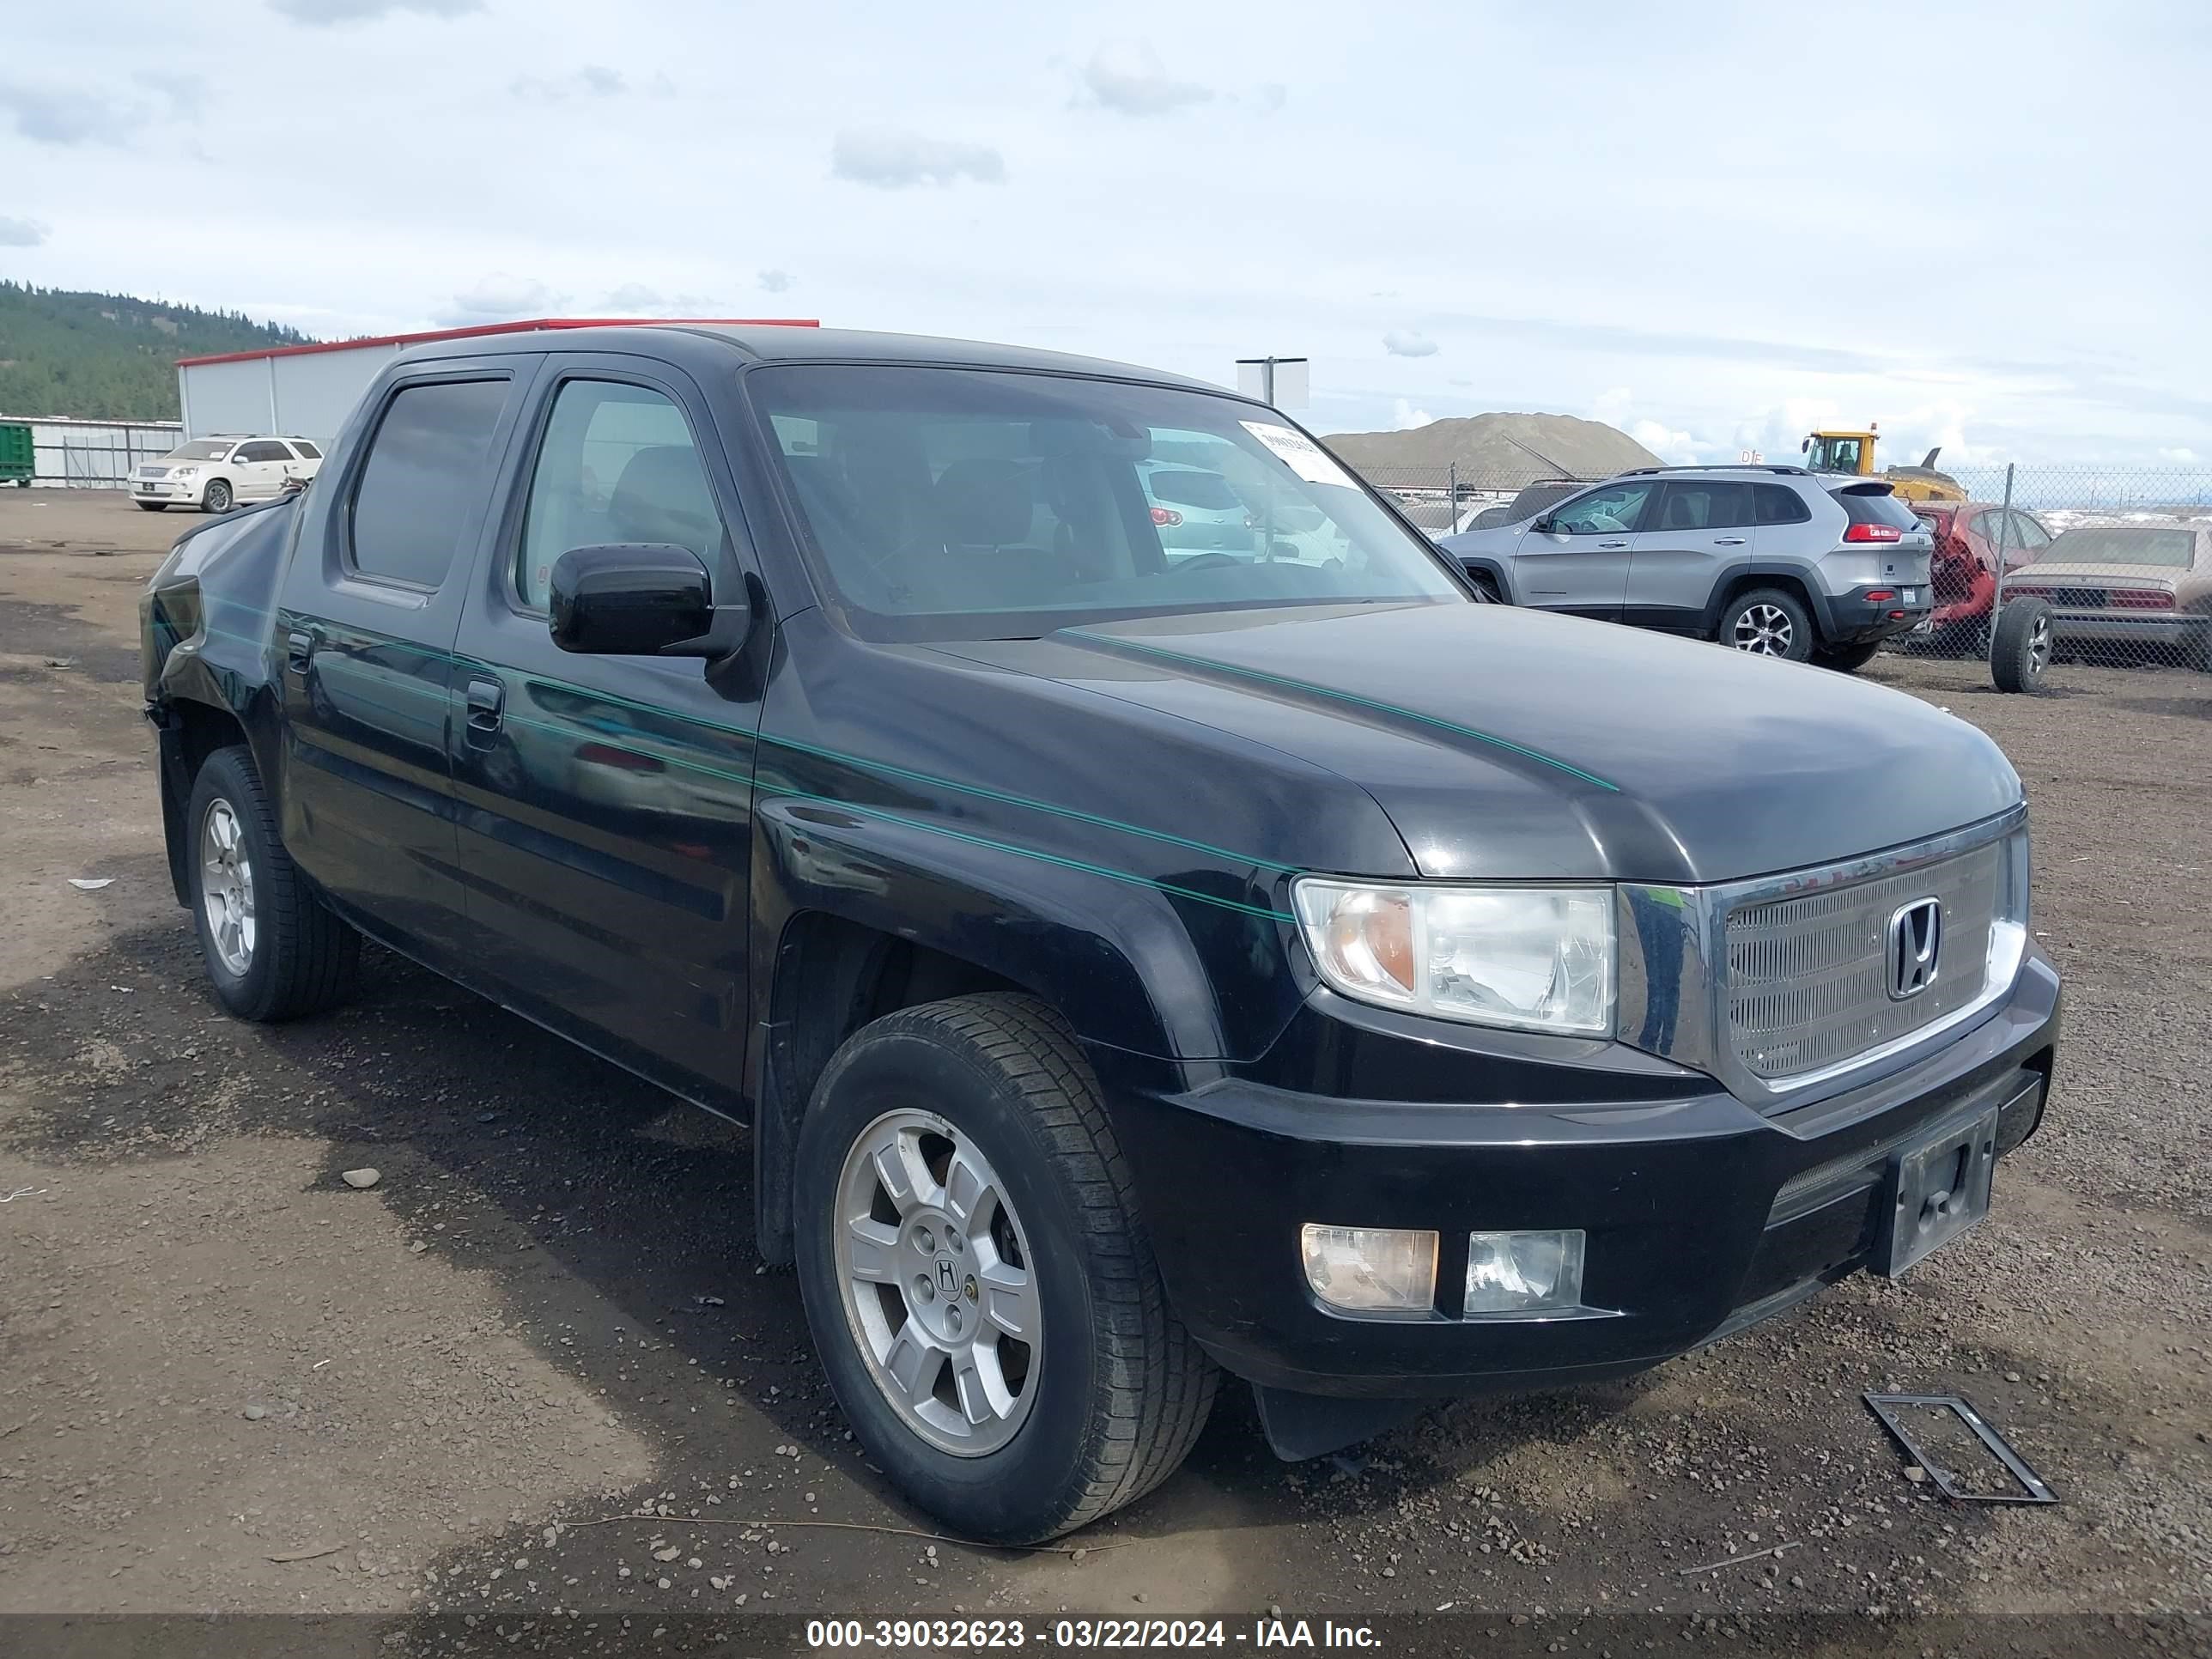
<point x="15" y="457"/>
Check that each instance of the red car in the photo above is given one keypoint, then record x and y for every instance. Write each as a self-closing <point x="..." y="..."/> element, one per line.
<point x="1964" y="569"/>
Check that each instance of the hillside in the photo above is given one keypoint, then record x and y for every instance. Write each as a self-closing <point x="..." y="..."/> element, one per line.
<point x="107" y="356"/>
<point x="1496" y="452"/>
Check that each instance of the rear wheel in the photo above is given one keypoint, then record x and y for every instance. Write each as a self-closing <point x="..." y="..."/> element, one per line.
<point x="1847" y="658"/>
<point x="2020" y="650"/>
<point x="984" y="1299"/>
<point x="1767" y="623"/>
<point x="153" y="506"/>
<point x="272" y="949"/>
<point x="218" y="498"/>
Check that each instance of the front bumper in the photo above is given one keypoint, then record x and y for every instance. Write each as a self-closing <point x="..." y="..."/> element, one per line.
<point x="1703" y="1214"/>
<point x="187" y="492"/>
<point x="1855" y="619"/>
<point x="2171" y="630"/>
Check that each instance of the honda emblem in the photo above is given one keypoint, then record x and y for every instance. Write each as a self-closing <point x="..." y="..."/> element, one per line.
<point x="1915" y="942"/>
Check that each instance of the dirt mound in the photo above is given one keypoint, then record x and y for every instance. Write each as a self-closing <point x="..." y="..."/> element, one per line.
<point x="1500" y="452"/>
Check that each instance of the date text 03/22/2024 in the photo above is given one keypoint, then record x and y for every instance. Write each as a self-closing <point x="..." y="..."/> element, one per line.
<point x="832" y="1634"/>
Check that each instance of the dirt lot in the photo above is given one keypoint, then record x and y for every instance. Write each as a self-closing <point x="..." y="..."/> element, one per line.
<point x="538" y="1356"/>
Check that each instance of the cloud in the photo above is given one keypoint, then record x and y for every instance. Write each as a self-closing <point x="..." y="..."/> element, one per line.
<point x="55" y="116"/>
<point x="20" y="233"/>
<point x="1665" y="442"/>
<point x="184" y="95"/>
<point x="320" y="13"/>
<point x="633" y="296"/>
<point x="1408" y="343"/>
<point x="593" y="81"/>
<point x="1127" y="77"/>
<point x="775" y="280"/>
<point x="501" y="299"/>
<point x="2181" y="456"/>
<point x="1403" y="415"/>
<point x="1271" y="97"/>
<point x="887" y="159"/>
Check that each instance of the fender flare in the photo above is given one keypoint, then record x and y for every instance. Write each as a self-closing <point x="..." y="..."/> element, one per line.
<point x="1816" y="602"/>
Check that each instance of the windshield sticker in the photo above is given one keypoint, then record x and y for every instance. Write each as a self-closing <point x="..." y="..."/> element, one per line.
<point x="1300" y="454"/>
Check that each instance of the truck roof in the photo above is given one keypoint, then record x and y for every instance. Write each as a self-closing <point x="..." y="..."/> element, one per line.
<point x="773" y="343"/>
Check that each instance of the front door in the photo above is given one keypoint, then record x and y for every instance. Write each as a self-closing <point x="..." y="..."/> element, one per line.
<point x="1575" y="557"/>
<point x="260" y="469"/>
<point x="1700" y="528"/>
<point x="606" y="802"/>
<point x="364" y="634"/>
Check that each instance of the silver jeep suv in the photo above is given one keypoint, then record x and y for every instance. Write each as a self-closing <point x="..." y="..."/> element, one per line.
<point x="1773" y="560"/>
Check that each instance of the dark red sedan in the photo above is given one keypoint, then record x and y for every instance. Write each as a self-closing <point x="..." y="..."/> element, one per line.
<point x="1964" y="569"/>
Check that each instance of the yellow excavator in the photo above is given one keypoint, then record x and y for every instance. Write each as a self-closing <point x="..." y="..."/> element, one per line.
<point x="1852" y="452"/>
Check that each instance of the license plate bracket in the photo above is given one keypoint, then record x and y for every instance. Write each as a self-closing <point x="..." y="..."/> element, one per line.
<point x="1938" y="1186"/>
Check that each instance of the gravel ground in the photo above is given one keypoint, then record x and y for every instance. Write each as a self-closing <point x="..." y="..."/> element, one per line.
<point x="533" y="1375"/>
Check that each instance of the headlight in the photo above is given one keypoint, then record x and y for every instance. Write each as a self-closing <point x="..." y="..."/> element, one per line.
<point x="184" y="472"/>
<point x="1534" y="959"/>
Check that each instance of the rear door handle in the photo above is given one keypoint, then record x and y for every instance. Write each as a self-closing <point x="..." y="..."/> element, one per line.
<point x="299" y="651"/>
<point x="1727" y="541"/>
<point x="485" y="699"/>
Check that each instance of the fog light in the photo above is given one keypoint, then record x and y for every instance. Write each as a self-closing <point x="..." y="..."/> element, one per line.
<point x="1524" y="1272"/>
<point x="1370" y="1269"/>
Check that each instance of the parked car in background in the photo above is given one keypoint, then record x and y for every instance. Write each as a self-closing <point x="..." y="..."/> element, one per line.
<point x="1196" y="511"/>
<point x="1776" y="560"/>
<point x="1964" y="570"/>
<point x="216" y="474"/>
<point x="2146" y="585"/>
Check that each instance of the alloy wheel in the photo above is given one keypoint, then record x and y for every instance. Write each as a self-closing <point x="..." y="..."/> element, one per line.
<point x="939" y="1285"/>
<point x="1765" y="631"/>
<point x="226" y="886"/>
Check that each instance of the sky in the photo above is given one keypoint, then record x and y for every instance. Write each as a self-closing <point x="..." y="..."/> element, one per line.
<point x="1714" y="225"/>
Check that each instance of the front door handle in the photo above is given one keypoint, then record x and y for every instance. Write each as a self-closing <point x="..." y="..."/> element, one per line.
<point x="485" y="699"/>
<point x="1613" y="544"/>
<point x="298" y="651"/>
<point x="1727" y="541"/>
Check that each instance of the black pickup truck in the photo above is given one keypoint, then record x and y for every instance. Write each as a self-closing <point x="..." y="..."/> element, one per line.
<point x="1134" y="963"/>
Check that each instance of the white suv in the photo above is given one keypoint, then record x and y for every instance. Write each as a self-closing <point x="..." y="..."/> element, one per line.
<point x="216" y="474"/>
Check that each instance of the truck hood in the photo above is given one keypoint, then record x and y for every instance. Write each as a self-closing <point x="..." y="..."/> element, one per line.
<point x="1504" y="742"/>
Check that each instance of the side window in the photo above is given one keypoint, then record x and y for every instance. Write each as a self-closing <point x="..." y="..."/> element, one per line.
<point x="1609" y="511"/>
<point x="618" y="464"/>
<point x="1703" y="505"/>
<point x="305" y="450"/>
<point x="2026" y="533"/>
<point x="426" y="466"/>
<point x="1777" y="505"/>
<point x="262" y="451"/>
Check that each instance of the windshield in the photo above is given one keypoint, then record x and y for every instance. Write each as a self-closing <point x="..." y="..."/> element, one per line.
<point x="205" y="449"/>
<point x="2174" y="549"/>
<point x="953" y="503"/>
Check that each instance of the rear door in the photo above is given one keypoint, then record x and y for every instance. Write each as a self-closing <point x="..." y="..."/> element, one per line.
<point x="1574" y="558"/>
<point x="367" y="614"/>
<point x="1697" y="530"/>
<point x="606" y="802"/>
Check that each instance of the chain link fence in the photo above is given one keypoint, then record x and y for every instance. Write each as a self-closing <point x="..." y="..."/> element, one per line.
<point x="1442" y="500"/>
<point x="2046" y="569"/>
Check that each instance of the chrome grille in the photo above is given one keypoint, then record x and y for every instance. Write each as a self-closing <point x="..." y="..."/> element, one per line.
<point x="1808" y="976"/>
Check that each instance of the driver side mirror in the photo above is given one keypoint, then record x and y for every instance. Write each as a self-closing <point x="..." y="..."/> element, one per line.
<point x="642" y="600"/>
<point x="1545" y="525"/>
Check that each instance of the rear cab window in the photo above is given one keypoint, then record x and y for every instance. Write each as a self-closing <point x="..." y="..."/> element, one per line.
<point x="1879" y="506"/>
<point x="1777" y="505"/>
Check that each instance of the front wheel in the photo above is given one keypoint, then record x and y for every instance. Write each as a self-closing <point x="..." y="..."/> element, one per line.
<point x="1767" y="623"/>
<point x="218" y="498"/>
<point x="983" y="1296"/>
<point x="272" y="949"/>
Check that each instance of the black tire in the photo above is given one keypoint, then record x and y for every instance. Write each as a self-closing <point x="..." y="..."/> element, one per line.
<point x="1847" y="658"/>
<point x="217" y="497"/>
<point x="302" y="958"/>
<point x="2022" y="649"/>
<point x="1786" y="633"/>
<point x="1122" y="1389"/>
<point x="153" y="506"/>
